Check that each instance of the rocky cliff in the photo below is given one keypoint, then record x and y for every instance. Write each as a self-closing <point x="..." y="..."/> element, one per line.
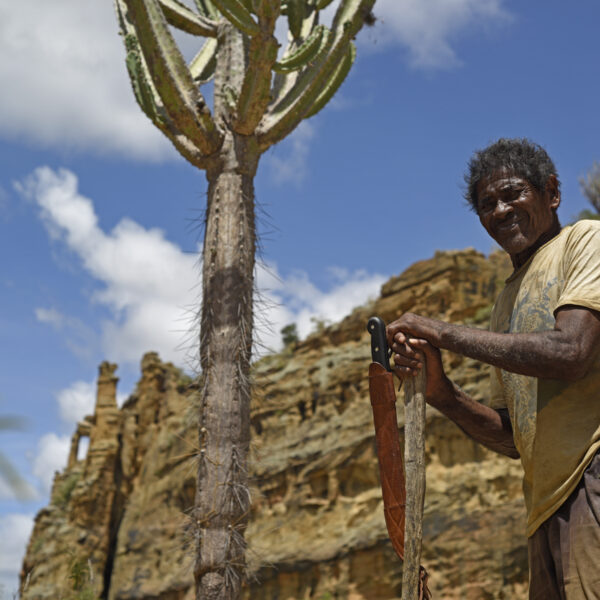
<point x="118" y="525"/>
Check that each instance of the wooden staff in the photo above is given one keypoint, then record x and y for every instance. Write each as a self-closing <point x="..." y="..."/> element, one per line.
<point x="414" y="465"/>
<point x="403" y="504"/>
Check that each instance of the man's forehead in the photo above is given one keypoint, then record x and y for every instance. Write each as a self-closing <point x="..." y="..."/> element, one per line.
<point x="501" y="181"/>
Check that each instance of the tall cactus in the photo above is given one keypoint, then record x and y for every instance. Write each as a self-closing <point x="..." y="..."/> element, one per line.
<point x="258" y="100"/>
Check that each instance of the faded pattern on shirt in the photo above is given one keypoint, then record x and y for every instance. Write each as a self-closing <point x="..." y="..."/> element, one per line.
<point x="556" y="424"/>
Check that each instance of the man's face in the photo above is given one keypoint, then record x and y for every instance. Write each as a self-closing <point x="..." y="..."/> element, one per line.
<point x="515" y="214"/>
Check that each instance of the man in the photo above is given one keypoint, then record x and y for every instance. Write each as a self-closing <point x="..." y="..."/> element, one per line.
<point x="543" y="342"/>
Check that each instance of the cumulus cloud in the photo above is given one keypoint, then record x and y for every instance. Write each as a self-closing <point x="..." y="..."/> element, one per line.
<point x="62" y="69"/>
<point x="15" y="530"/>
<point x="148" y="283"/>
<point x="295" y="299"/>
<point x="76" y="401"/>
<point x="428" y="28"/>
<point x="52" y="454"/>
<point x="63" y="64"/>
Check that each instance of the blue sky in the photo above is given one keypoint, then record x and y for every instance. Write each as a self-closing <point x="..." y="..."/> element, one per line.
<point x="99" y="216"/>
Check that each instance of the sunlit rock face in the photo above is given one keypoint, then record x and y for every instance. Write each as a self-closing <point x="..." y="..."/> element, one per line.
<point x="120" y="523"/>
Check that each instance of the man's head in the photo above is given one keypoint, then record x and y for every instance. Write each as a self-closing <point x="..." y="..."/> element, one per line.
<point x="513" y="187"/>
<point x="517" y="156"/>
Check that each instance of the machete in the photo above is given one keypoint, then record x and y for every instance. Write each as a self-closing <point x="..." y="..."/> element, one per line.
<point x="403" y="503"/>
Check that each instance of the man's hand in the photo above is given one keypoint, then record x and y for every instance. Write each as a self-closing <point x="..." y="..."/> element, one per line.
<point x="410" y="340"/>
<point x="413" y="340"/>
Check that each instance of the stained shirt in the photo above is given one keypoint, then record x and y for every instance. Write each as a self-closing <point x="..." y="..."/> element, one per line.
<point x="556" y="424"/>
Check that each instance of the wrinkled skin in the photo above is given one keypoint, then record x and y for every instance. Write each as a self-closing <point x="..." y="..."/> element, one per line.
<point x="520" y="219"/>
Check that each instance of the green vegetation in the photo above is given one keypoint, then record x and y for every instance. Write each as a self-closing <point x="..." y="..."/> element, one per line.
<point x="63" y="493"/>
<point x="80" y="573"/>
<point x="289" y="335"/>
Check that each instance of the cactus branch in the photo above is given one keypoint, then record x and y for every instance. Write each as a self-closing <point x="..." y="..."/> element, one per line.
<point x="305" y="53"/>
<point x="256" y="89"/>
<point x="202" y="67"/>
<point x="180" y="16"/>
<point x="176" y="88"/>
<point x="147" y="96"/>
<point x="207" y="9"/>
<point x="337" y="78"/>
<point x="285" y="115"/>
<point x="255" y="93"/>
<point x="238" y="15"/>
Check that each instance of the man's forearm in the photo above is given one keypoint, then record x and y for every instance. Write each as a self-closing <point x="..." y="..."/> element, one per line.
<point x="489" y="427"/>
<point x="545" y="354"/>
<point x="565" y="352"/>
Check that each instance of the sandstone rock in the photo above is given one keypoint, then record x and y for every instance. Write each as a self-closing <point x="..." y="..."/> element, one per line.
<point x="119" y="523"/>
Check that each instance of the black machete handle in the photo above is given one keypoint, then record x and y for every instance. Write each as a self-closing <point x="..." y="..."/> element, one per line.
<point x="379" y="348"/>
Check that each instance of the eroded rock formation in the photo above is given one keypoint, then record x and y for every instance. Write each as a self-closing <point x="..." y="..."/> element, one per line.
<point x="119" y="523"/>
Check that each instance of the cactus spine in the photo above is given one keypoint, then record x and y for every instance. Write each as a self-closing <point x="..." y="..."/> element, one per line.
<point x="258" y="100"/>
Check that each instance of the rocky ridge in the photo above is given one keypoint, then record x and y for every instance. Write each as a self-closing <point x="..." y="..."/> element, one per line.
<point x="118" y="525"/>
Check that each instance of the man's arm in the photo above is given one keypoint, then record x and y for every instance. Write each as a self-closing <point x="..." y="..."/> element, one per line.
<point x="485" y="425"/>
<point x="565" y="352"/>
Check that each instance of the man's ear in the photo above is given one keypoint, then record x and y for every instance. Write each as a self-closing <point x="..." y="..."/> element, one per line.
<point x="552" y="191"/>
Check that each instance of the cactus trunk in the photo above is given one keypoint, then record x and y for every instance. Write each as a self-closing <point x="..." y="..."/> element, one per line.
<point x="222" y="497"/>
<point x="251" y="113"/>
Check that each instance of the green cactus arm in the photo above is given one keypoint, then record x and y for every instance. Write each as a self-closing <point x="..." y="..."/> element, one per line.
<point x="337" y="78"/>
<point x="142" y="89"/>
<point x="268" y="12"/>
<point x="179" y="94"/>
<point x="352" y="11"/>
<point x="202" y="66"/>
<point x="207" y="9"/>
<point x="255" y="94"/>
<point x="321" y="4"/>
<point x="296" y="11"/>
<point x="238" y="15"/>
<point x="147" y="96"/>
<point x="283" y="116"/>
<point x="306" y="52"/>
<point x="180" y="16"/>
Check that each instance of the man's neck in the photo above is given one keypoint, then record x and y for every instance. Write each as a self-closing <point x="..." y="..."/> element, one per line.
<point x="518" y="260"/>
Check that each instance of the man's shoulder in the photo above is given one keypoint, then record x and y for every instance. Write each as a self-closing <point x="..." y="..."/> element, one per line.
<point x="582" y="228"/>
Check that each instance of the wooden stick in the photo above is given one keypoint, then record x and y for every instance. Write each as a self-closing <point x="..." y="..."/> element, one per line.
<point x="414" y="467"/>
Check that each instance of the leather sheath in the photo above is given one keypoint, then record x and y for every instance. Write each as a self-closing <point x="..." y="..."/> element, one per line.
<point x="391" y="467"/>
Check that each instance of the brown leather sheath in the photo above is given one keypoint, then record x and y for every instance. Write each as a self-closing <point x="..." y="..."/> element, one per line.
<point x="389" y="455"/>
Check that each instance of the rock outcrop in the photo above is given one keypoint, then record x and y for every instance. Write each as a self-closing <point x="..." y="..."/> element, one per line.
<point x="119" y="523"/>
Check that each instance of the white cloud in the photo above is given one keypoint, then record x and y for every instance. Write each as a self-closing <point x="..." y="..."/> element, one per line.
<point x="427" y="28"/>
<point x="15" y="530"/>
<point x="295" y="299"/>
<point x="287" y="161"/>
<point x="76" y="401"/>
<point x="62" y="67"/>
<point x="53" y="451"/>
<point x="147" y="281"/>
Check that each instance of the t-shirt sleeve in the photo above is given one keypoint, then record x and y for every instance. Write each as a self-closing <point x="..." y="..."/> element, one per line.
<point x="581" y="267"/>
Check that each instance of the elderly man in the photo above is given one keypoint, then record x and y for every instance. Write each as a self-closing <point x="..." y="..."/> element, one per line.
<point x="543" y="342"/>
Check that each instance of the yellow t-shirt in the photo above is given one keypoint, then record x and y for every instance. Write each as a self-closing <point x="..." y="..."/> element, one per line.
<point x="556" y="424"/>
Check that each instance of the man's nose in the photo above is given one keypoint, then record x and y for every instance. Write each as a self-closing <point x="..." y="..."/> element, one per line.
<point x="502" y="209"/>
